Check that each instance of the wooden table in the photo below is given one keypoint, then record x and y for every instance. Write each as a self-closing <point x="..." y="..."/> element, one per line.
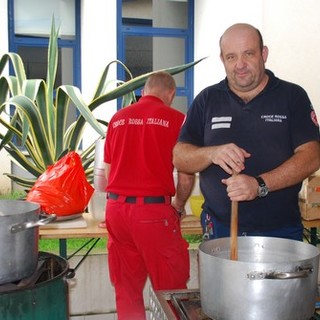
<point x="91" y="231"/>
<point x="190" y="225"/>
<point x="311" y="223"/>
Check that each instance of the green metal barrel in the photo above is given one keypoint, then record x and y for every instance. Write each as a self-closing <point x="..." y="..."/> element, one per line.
<point x="47" y="299"/>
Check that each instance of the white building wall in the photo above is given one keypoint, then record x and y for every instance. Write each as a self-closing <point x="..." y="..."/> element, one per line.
<point x="3" y="26"/>
<point x="211" y="19"/>
<point x="291" y="29"/>
<point x="5" y="182"/>
<point x="91" y="294"/>
<point x="99" y="47"/>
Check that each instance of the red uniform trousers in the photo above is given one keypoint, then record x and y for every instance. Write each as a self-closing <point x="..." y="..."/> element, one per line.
<point x="144" y="240"/>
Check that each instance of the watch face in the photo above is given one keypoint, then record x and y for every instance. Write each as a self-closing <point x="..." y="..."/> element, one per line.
<point x="263" y="191"/>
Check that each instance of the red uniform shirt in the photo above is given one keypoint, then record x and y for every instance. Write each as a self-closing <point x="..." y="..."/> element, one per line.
<point x="139" y="144"/>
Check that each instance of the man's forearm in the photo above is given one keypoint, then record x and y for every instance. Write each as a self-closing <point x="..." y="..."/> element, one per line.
<point x="303" y="163"/>
<point x="184" y="189"/>
<point x="189" y="158"/>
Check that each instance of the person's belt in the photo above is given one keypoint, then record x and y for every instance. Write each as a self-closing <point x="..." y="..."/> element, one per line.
<point x="130" y="199"/>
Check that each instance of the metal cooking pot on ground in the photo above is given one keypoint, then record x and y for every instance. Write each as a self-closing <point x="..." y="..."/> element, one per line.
<point x="19" y="236"/>
<point x="272" y="279"/>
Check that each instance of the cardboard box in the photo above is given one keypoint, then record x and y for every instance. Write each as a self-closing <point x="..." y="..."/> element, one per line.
<point x="309" y="198"/>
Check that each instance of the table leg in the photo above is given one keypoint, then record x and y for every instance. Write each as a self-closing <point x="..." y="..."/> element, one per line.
<point x="63" y="248"/>
<point x="313" y="236"/>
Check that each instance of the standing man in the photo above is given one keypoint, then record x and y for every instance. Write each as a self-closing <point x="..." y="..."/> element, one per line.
<point x="143" y="225"/>
<point x="262" y="129"/>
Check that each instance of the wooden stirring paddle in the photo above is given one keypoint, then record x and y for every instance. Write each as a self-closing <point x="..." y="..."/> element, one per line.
<point x="234" y="230"/>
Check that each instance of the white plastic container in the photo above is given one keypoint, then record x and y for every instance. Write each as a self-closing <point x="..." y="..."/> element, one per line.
<point x="97" y="205"/>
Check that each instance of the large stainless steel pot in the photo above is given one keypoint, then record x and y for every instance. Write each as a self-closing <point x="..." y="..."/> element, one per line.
<point x="19" y="234"/>
<point x="272" y="279"/>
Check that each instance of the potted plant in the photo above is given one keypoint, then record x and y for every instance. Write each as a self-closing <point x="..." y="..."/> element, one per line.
<point x="38" y="120"/>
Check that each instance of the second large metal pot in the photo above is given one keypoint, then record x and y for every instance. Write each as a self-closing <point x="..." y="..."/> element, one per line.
<point x="272" y="279"/>
<point x="19" y="234"/>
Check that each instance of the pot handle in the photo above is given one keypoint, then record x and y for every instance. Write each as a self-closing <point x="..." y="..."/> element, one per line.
<point x="70" y="273"/>
<point x="301" y="272"/>
<point x="44" y="219"/>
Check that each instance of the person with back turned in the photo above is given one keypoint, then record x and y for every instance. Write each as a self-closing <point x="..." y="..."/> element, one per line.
<point x="143" y="224"/>
<point x="254" y="138"/>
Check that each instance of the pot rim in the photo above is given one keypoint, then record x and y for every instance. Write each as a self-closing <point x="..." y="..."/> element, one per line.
<point x="213" y="248"/>
<point x="11" y="207"/>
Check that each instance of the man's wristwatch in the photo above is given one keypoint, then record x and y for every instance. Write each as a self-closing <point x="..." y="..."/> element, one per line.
<point x="180" y="211"/>
<point x="262" y="189"/>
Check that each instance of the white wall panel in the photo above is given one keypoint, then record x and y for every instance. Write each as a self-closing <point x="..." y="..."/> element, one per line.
<point x="99" y="47"/>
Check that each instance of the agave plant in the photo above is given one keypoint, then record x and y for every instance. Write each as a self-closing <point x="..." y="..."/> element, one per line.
<point x="38" y="119"/>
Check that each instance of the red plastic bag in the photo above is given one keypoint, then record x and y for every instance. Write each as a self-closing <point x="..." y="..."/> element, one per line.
<point x="63" y="188"/>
